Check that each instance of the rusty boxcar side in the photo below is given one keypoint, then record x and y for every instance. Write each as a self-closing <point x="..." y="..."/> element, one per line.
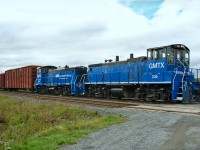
<point x="2" y="80"/>
<point x="21" y="78"/>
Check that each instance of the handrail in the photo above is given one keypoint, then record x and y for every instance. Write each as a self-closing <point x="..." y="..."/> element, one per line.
<point x="176" y="70"/>
<point x="183" y="74"/>
<point x="195" y="72"/>
<point x="83" y="78"/>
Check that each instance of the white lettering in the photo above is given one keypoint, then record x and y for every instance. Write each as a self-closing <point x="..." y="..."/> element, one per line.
<point x="154" y="76"/>
<point x="156" y="65"/>
<point x="62" y="76"/>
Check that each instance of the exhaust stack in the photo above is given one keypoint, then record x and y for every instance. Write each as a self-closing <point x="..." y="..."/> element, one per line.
<point x="131" y="56"/>
<point x="117" y="58"/>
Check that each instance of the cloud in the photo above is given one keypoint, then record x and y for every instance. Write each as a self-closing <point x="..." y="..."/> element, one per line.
<point x="85" y="32"/>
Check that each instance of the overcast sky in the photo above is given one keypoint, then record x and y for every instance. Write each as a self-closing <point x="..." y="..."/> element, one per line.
<point x="83" y="32"/>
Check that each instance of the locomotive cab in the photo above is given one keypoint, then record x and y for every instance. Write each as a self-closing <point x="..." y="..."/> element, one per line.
<point x="41" y="80"/>
<point x="171" y="53"/>
<point x="168" y="67"/>
<point x="45" y="69"/>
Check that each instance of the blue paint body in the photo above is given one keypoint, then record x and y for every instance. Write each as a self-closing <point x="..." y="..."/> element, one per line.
<point x="62" y="77"/>
<point x="141" y="72"/>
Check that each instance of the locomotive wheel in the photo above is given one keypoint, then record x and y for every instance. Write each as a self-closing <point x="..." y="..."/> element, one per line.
<point x="66" y="91"/>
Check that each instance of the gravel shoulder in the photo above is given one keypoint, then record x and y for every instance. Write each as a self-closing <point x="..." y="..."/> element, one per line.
<point x="148" y="130"/>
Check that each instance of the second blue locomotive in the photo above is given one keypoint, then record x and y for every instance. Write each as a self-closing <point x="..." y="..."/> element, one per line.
<point x="64" y="81"/>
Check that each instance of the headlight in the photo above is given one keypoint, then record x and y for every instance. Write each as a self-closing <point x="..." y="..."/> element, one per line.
<point x="182" y="46"/>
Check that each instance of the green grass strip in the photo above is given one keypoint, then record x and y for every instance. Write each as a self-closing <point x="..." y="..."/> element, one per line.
<point x="38" y="126"/>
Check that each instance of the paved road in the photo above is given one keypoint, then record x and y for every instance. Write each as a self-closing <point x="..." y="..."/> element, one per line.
<point x="146" y="130"/>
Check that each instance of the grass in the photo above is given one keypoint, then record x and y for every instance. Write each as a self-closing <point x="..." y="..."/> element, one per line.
<point x="38" y="126"/>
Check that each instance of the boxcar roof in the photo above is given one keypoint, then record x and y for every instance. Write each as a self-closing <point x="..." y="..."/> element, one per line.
<point x="23" y="67"/>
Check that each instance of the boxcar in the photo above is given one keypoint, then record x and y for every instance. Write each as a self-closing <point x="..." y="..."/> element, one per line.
<point x="2" y="80"/>
<point x="21" y="78"/>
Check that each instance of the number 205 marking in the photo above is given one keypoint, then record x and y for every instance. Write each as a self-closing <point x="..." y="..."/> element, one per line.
<point x="154" y="76"/>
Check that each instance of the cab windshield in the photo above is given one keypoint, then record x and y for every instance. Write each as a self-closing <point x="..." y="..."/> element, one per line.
<point x="171" y="53"/>
<point x="39" y="70"/>
<point x="183" y="55"/>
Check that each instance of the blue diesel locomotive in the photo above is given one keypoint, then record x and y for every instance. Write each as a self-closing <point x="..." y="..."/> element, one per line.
<point x="63" y="81"/>
<point x="164" y="74"/>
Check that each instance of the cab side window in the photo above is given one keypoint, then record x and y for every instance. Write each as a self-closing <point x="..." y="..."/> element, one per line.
<point x="170" y="55"/>
<point x="178" y="55"/>
<point x="149" y="54"/>
<point x="155" y="54"/>
<point x="162" y="53"/>
<point x="186" y="58"/>
<point x="39" y="71"/>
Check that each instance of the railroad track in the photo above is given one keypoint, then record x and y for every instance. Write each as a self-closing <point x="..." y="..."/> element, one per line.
<point x="125" y="100"/>
<point x="98" y="102"/>
<point x="72" y="100"/>
<point x="83" y="99"/>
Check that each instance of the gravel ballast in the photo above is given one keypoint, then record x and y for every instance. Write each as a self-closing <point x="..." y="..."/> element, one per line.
<point x="145" y="130"/>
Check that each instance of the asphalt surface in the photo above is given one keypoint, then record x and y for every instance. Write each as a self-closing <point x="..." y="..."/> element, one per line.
<point x="145" y="130"/>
